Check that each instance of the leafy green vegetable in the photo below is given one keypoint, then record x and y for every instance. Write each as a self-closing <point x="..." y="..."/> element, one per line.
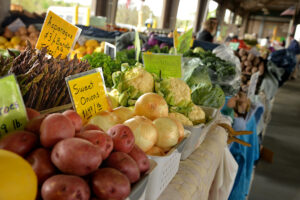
<point x="209" y="96"/>
<point x="108" y="65"/>
<point x="204" y="93"/>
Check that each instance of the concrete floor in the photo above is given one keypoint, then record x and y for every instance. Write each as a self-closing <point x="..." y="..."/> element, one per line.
<point x="281" y="179"/>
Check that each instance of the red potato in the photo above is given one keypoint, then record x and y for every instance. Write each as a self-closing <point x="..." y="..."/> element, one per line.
<point x="90" y="127"/>
<point x="100" y="139"/>
<point x="19" y="142"/>
<point x="76" y="156"/>
<point x="75" y="118"/>
<point x="123" y="138"/>
<point x="31" y="113"/>
<point x="34" y="124"/>
<point x="65" y="187"/>
<point x="125" y="164"/>
<point x="40" y="161"/>
<point x="109" y="183"/>
<point x="140" y="158"/>
<point x="54" y="128"/>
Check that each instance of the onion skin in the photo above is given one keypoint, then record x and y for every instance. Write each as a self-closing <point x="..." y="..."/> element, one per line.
<point x="105" y="120"/>
<point x="156" y="151"/>
<point x="123" y="113"/>
<point x="168" y="133"/>
<point x="144" y="132"/>
<point x="180" y="129"/>
<point x="152" y="106"/>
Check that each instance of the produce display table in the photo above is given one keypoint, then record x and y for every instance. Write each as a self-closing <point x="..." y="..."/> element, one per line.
<point x="197" y="173"/>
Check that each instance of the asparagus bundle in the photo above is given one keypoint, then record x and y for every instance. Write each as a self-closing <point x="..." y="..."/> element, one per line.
<point x="42" y="78"/>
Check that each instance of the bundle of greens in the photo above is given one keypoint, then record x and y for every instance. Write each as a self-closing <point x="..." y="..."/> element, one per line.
<point x="204" y="93"/>
<point x="219" y="70"/>
<point x="108" y="65"/>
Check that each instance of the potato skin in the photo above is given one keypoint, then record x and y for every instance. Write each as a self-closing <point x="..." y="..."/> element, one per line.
<point x="31" y="113"/>
<point x="19" y="142"/>
<point x="109" y="183"/>
<point x="65" y="187"/>
<point x="100" y="139"/>
<point x="76" y="156"/>
<point x="54" y="128"/>
<point x="140" y="158"/>
<point x="125" y="164"/>
<point x="34" y="124"/>
<point x="40" y="160"/>
<point x="123" y="138"/>
<point x="90" y="127"/>
<point x="75" y="118"/>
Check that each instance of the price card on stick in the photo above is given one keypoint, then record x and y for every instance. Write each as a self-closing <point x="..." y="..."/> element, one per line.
<point x="88" y="93"/>
<point x="163" y="65"/>
<point x="137" y="44"/>
<point x="13" y="114"/>
<point x="58" y="35"/>
<point x="253" y="83"/>
<point x="110" y="50"/>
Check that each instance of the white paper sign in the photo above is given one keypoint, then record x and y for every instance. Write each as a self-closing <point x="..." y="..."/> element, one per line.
<point x="15" y="25"/>
<point x="110" y="50"/>
<point x="253" y="83"/>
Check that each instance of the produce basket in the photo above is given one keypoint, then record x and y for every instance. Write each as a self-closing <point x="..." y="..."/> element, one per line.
<point x="166" y="169"/>
<point x="139" y="189"/>
<point x="198" y="133"/>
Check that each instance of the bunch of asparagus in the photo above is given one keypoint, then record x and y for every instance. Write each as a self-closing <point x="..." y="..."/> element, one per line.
<point x="42" y="78"/>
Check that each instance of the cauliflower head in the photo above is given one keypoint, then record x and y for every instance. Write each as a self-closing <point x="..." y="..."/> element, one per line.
<point x="140" y="79"/>
<point x="196" y="114"/>
<point x="131" y="83"/>
<point x="180" y="117"/>
<point x="175" y="91"/>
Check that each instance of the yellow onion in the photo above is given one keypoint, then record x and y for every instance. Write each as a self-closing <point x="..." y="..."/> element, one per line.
<point x="156" y="151"/>
<point x="180" y="129"/>
<point x="168" y="133"/>
<point x="105" y="120"/>
<point x="151" y="105"/>
<point x="145" y="133"/>
<point x="123" y="113"/>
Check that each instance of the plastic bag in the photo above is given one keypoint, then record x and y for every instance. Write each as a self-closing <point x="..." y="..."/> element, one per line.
<point x="231" y="86"/>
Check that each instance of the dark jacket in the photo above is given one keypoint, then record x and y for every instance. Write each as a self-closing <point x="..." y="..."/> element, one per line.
<point x="205" y="36"/>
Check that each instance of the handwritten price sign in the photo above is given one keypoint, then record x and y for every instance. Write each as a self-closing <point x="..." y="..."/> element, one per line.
<point x="13" y="114"/>
<point x="87" y="91"/>
<point x="57" y="35"/>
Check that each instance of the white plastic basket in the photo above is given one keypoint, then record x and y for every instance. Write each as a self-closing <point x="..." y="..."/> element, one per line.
<point x="138" y="190"/>
<point x="198" y="133"/>
<point x="166" y="169"/>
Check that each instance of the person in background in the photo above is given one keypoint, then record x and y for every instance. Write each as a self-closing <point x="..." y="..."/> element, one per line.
<point x="295" y="48"/>
<point x="209" y="30"/>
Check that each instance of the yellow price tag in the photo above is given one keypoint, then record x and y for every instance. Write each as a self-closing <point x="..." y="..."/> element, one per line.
<point x="192" y="42"/>
<point x="87" y="91"/>
<point x="57" y="35"/>
<point x="175" y="38"/>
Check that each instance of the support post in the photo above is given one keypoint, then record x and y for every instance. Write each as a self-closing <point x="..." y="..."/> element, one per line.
<point x="201" y="13"/>
<point x="169" y="14"/>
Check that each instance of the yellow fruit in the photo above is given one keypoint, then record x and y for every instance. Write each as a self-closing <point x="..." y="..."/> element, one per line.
<point x="89" y="50"/>
<point x="91" y="43"/>
<point x="18" y="180"/>
<point x="7" y="44"/>
<point x="99" y="50"/>
<point x="15" y="40"/>
<point x="102" y="44"/>
<point x="2" y="40"/>
<point x="80" y="50"/>
<point x="2" y="47"/>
